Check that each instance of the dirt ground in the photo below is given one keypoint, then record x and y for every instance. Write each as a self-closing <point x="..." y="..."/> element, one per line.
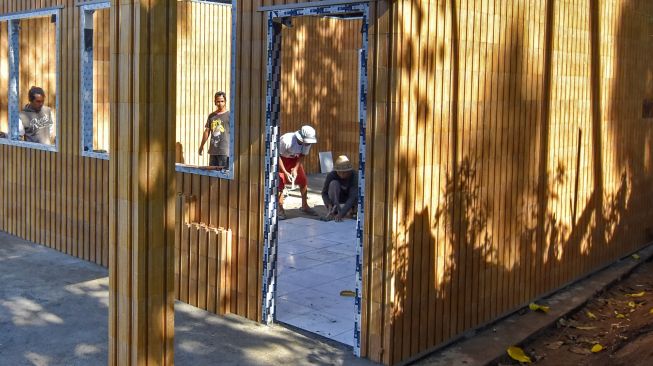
<point x="620" y="320"/>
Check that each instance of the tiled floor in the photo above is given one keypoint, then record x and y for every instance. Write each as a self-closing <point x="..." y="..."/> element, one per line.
<point x="317" y="260"/>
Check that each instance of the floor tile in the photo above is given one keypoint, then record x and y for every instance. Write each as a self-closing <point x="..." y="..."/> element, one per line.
<point x="341" y="236"/>
<point x="308" y="278"/>
<point x="317" y="260"/>
<point x="298" y="261"/>
<point x="322" y="256"/>
<point x="293" y="247"/>
<point x="286" y="287"/>
<point x="335" y="287"/>
<point x="324" y="302"/>
<point x="343" y="268"/>
<point x="323" y="324"/>
<point x="314" y="242"/>
<point x="287" y="310"/>
<point x="349" y="249"/>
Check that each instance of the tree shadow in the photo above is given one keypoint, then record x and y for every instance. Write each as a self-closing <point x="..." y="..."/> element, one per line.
<point x="524" y="206"/>
<point x="46" y="319"/>
<point x="629" y="135"/>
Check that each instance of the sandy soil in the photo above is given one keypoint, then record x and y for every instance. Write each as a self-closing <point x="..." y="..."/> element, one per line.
<point x="617" y="320"/>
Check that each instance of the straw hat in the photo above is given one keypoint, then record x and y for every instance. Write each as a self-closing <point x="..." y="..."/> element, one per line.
<point x="342" y="164"/>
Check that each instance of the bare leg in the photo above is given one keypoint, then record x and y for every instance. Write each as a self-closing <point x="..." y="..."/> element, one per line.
<point x="281" y="212"/>
<point x="304" y="192"/>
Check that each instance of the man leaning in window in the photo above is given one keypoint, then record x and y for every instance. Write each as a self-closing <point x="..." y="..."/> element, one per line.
<point x="36" y="123"/>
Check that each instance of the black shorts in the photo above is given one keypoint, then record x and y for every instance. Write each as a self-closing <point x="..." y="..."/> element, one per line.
<point x="219" y="160"/>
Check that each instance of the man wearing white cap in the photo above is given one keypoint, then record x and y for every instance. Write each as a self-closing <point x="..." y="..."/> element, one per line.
<point x="293" y="146"/>
<point x="340" y="191"/>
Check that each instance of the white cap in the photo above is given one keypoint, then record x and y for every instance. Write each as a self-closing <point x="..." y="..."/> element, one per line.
<point x="306" y="135"/>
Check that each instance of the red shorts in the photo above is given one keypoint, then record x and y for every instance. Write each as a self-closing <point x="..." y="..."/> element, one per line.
<point x="290" y="163"/>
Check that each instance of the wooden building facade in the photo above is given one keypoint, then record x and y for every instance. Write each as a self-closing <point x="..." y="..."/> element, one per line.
<point x="508" y="153"/>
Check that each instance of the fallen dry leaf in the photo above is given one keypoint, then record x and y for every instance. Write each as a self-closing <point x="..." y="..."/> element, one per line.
<point x="597" y="348"/>
<point x="518" y="354"/>
<point x="591" y="315"/>
<point x="639" y="294"/>
<point x="536" y="307"/>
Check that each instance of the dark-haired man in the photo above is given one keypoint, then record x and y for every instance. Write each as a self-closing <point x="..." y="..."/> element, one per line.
<point x="217" y="126"/>
<point x="36" y="123"/>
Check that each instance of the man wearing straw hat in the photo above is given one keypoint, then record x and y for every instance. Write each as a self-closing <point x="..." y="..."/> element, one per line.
<point x="340" y="191"/>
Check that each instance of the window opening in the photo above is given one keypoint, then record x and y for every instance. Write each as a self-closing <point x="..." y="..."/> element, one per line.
<point x="94" y="79"/>
<point x="205" y="59"/>
<point x="32" y="76"/>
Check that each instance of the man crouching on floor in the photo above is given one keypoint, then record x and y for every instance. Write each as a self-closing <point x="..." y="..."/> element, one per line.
<point x="340" y="191"/>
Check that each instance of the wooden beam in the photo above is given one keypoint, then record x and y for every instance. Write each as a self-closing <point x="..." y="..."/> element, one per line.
<point x="142" y="182"/>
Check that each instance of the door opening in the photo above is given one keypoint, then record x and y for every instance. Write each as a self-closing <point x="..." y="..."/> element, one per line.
<point x="312" y="270"/>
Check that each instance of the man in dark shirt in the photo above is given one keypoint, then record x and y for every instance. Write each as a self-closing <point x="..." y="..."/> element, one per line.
<point x="36" y="123"/>
<point x="217" y="126"/>
<point x="340" y="191"/>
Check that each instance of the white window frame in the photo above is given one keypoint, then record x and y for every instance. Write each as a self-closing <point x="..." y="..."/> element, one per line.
<point x="86" y="116"/>
<point x="229" y="173"/>
<point x="12" y="20"/>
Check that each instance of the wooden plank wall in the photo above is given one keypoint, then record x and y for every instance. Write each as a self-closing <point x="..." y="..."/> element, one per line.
<point x="202" y="260"/>
<point x="319" y="84"/>
<point x="522" y="161"/>
<point x="203" y="68"/>
<point x="491" y="161"/>
<point x="57" y="199"/>
<point x="67" y="208"/>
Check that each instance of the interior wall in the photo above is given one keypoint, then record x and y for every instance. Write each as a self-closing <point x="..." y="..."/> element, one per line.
<point x="319" y="84"/>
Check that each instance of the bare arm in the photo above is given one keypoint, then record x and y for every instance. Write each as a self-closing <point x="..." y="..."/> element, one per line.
<point x="300" y="162"/>
<point x="205" y="137"/>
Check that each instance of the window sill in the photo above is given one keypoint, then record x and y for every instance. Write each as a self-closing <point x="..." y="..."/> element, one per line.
<point x="29" y="145"/>
<point x="222" y="174"/>
<point x="95" y="155"/>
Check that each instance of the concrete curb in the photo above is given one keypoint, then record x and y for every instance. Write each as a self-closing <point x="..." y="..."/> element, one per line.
<point x="488" y="345"/>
